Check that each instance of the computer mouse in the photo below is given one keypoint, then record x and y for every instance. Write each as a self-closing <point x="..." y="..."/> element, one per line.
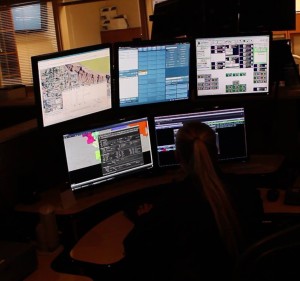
<point x="273" y="194"/>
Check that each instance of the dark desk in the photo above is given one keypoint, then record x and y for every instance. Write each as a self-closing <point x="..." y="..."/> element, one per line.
<point x="109" y="234"/>
<point x="85" y="210"/>
<point x="258" y="164"/>
<point x="46" y="273"/>
<point x="88" y="199"/>
<point x="278" y="206"/>
<point x="107" y="237"/>
<point x="103" y="243"/>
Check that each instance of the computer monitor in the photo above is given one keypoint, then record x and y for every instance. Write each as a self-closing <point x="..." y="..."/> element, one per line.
<point x="229" y="125"/>
<point x="233" y="66"/>
<point x="109" y="152"/>
<point x="72" y="84"/>
<point x="152" y="72"/>
<point x="178" y="18"/>
<point x="29" y="18"/>
<point x="267" y="15"/>
<point x="168" y="20"/>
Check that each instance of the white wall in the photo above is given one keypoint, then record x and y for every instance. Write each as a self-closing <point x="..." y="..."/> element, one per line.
<point x="298" y="5"/>
<point x="80" y="25"/>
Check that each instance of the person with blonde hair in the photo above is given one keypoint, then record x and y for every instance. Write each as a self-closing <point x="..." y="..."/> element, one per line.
<point x="197" y="153"/>
<point x="196" y="227"/>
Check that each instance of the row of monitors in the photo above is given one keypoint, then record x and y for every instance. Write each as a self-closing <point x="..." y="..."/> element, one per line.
<point x="128" y="75"/>
<point x="121" y="148"/>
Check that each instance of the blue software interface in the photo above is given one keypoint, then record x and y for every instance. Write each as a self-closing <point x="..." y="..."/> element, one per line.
<point x="153" y="73"/>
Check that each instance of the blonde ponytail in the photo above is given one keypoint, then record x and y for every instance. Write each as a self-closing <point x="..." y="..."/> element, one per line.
<point x="196" y="148"/>
<point x="217" y="197"/>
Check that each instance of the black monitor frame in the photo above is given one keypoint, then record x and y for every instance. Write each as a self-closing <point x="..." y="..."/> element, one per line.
<point x="159" y="104"/>
<point x="230" y="123"/>
<point x="72" y="79"/>
<point x="267" y="15"/>
<point x="174" y="18"/>
<point x="225" y="95"/>
<point x="178" y="18"/>
<point x="117" y="149"/>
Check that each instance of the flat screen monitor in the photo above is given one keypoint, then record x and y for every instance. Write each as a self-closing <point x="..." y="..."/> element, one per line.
<point x="109" y="152"/>
<point x="229" y="125"/>
<point x="72" y="84"/>
<point x="257" y="15"/>
<point x="29" y="17"/>
<point x="152" y="72"/>
<point x="177" y="18"/>
<point x="233" y="65"/>
<point x="165" y="20"/>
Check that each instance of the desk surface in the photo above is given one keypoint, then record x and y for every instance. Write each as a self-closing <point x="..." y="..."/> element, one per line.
<point x="46" y="273"/>
<point x="86" y="200"/>
<point x="258" y="164"/>
<point x="109" y="234"/>
<point x="278" y="206"/>
<point x="103" y="244"/>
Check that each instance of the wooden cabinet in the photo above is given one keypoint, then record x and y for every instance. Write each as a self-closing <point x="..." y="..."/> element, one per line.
<point x="9" y="61"/>
<point x="119" y="35"/>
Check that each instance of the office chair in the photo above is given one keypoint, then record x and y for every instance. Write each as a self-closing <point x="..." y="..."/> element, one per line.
<point x="274" y="257"/>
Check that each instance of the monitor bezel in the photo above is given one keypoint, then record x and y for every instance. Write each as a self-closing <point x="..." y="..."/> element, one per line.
<point x="152" y="107"/>
<point x="142" y="171"/>
<point x="42" y="21"/>
<point x="207" y="109"/>
<point x="79" y="120"/>
<point x="269" y="15"/>
<point x="240" y="98"/>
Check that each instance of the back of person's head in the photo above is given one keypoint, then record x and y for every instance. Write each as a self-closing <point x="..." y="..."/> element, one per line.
<point x="197" y="153"/>
<point x="191" y="136"/>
